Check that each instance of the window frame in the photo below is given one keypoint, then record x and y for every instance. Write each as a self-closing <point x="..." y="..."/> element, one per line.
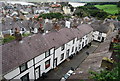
<point x="62" y="47"/>
<point x="48" y="65"/>
<point x="72" y="48"/>
<point x="26" y="67"/>
<point x="27" y="75"/>
<point x="46" y="53"/>
<point x="62" y="57"/>
<point x="99" y="38"/>
<point x="73" y="41"/>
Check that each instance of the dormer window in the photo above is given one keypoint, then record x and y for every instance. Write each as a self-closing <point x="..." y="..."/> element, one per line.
<point x="23" y="29"/>
<point x="23" y="67"/>
<point x="62" y="47"/>
<point x="47" y="53"/>
<point x="73" y="41"/>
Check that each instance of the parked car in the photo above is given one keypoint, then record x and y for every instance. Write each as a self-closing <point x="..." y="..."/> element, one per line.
<point x="67" y="75"/>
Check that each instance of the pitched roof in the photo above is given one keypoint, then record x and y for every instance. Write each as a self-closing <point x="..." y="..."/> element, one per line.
<point x="36" y="44"/>
<point x="13" y="52"/>
<point x="85" y="28"/>
<point x="117" y="24"/>
<point x="101" y="27"/>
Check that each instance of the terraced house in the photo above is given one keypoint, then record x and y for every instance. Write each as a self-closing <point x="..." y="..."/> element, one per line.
<point x="29" y="58"/>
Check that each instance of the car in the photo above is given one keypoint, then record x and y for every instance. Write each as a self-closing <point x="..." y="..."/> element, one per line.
<point x="67" y="75"/>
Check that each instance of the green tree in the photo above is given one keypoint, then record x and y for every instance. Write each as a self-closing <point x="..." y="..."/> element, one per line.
<point x="118" y="4"/>
<point x="51" y="15"/>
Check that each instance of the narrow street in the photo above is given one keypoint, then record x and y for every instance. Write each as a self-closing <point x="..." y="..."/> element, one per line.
<point x="74" y="62"/>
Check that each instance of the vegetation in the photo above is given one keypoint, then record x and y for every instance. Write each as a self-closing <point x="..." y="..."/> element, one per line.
<point x="118" y="4"/>
<point x="103" y="10"/>
<point x="8" y="39"/>
<point x="90" y="10"/>
<point x="51" y="15"/>
<point x="112" y="9"/>
<point x="107" y="75"/>
<point x="26" y="34"/>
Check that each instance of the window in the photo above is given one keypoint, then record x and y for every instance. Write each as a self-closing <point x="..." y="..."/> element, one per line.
<point x="23" y="67"/>
<point x="76" y="49"/>
<point x="47" y="53"/>
<point x="79" y="46"/>
<point x="100" y="33"/>
<point x="62" y="56"/>
<point x="25" y="78"/>
<point x="73" y="41"/>
<point x="63" y="47"/>
<point x="80" y="40"/>
<point x="72" y="49"/>
<point x="47" y="64"/>
<point x="85" y="41"/>
<point x="99" y="38"/>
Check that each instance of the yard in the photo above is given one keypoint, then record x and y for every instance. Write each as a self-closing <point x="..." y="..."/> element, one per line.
<point x="112" y="9"/>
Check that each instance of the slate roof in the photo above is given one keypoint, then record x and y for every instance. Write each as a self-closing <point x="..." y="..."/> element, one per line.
<point x="19" y="24"/>
<point x="85" y="28"/>
<point x="117" y="24"/>
<point x="99" y="26"/>
<point x="34" y="45"/>
<point x="8" y="26"/>
<point x="48" y="26"/>
<point x="13" y="52"/>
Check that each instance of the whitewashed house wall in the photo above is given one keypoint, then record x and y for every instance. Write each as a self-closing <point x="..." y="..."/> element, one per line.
<point x="97" y="34"/>
<point x="39" y="61"/>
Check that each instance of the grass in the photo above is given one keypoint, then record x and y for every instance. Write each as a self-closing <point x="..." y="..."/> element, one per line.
<point x="112" y="9"/>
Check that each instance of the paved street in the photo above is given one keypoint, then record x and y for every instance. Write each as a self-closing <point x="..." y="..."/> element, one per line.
<point x="75" y="62"/>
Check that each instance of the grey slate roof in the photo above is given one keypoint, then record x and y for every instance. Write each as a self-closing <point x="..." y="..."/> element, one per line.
<point x="117" y="24"/>
<point x="98" y="26"/>
<point x="15" y="53"/>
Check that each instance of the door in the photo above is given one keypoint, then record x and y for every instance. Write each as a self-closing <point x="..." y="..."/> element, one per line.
<point x="102" y="39"/>
<point x="37" y="73"/>
<point x="67" y="53"/>
<point x="55" y="62"/>
<point x="25" y="77"/>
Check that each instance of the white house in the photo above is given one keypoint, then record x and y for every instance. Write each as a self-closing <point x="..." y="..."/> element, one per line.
<point x="101" y="30"/>
<point x="37" y="54"/>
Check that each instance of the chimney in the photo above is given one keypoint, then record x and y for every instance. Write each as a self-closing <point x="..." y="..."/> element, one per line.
<point x="14" y="19"/>
<point x="3" y="21"/>
<point x="67" y="24"/>
<point x="18" y="35"/>
<point x="56" y="27"/>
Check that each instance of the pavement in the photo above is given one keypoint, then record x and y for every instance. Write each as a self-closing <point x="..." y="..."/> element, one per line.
<point x="82" y="61"/>
<point x="93" y="61"/>
<point x="75" y="62"/>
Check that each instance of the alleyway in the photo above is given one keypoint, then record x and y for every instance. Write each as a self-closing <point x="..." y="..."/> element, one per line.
<point x="75" y="62"/>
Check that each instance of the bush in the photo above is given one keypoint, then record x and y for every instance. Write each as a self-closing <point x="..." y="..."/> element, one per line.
<point x="8" y="39"/>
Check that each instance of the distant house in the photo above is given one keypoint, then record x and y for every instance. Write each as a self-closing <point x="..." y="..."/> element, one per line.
<point x="67" y="10"/>
<point x="37" y="54"/>
<point x="101" y="30"/>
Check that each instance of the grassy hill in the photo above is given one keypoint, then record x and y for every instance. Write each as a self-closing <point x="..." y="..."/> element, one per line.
<point x="112" y="9"/>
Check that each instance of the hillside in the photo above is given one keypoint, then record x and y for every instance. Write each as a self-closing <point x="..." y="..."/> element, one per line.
<point x="112" y="9"/>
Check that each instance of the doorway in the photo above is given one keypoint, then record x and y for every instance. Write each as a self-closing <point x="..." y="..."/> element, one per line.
<point x="37" y="72"/>
<point x="55" y="62"/>
<point x="67" y="53"/>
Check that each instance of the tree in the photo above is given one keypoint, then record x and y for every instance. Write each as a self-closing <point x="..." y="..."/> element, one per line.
<point x="118" y="4"/>
<point x="51" y="15"/>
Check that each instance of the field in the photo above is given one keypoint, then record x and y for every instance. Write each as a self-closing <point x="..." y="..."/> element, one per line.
<point x="112" y="9"/>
